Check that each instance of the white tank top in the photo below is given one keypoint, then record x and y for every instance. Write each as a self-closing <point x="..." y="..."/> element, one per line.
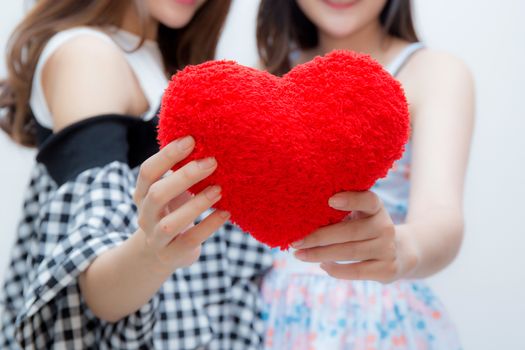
<point x="146" y="64"/>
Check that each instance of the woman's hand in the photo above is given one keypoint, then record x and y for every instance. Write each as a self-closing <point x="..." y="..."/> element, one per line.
<point x="369" y="237"/>
<point x="121" y="280"/>
<point x="166" y="212"/>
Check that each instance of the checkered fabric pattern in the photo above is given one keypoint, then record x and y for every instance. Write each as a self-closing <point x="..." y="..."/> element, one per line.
<point x="213" y="304"/>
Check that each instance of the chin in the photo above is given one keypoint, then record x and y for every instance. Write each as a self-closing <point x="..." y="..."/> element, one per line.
<point x="175" y="23"/>
<point x="338" y="29"/>
<point x="343" y="20"/>
<point x="174" y="13"/>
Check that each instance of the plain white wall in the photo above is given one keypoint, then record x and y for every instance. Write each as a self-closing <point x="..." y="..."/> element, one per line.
<point x="484" y="289"/>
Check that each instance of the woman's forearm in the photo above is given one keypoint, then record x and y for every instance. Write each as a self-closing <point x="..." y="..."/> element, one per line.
<point x="433" y="239"/>
<point x="122" y="280"/>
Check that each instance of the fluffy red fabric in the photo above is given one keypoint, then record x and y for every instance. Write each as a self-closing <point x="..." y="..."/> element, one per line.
<point x="285" y="145"/>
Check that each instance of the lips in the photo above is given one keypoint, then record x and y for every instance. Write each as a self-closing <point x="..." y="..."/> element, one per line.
<point x="340" y="4"/>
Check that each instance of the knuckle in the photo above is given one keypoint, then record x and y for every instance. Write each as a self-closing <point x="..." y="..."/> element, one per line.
<point x="370" y="200"/>
<point x="145" y="172"/>
<point x="141" y="221"/>
<point x="150" y="241"/>
<point x="155" y="193"/>
<point x="189" y="171"/>
<point x="163" y="227"/>
<point x="391" y="271"/>
<point x="169" y="152"/>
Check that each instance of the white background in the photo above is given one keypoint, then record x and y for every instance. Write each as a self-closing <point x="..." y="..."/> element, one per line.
<point x="484" y="289"/>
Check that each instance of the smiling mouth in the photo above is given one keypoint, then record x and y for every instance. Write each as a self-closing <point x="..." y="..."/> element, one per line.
<point x="340" y="4"/>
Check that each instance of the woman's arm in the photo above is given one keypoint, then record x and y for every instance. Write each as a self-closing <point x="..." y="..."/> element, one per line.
<point x="441" y="90"/>
<point x="123" y="279"/>
<point x="86" y="77"/>
<point x="442" y="131"/>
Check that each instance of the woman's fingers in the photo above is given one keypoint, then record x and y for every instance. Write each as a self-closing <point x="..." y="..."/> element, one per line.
<point x="178" y="201"/>
<point x="366" y="202"/>
<point x="164" y="190"/>
<point x="157" y="165"/>
<point x="198" y="234"/>
<point x="177" y="221"/>
<point x="356" y="251"/>
<point x="365" y="270"/>
<point x="345" y="231"/>
<point x="185" y="250"/>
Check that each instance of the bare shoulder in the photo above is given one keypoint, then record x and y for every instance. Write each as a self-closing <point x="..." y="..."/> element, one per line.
<point x="439" y="87"/>
<point x="433" y="69"/>
<point x="86" y="76"/>
<point x="437" y="63"/>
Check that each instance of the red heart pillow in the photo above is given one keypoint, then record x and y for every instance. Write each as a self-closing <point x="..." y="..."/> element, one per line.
<point x="286" y="145"/>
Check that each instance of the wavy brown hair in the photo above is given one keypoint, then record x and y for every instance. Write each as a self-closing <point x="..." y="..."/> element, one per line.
<point x="192" y="44"/>
<point x="282" y="26"/>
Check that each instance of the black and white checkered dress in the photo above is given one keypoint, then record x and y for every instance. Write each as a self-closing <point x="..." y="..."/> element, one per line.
<point x="78" y="205"/>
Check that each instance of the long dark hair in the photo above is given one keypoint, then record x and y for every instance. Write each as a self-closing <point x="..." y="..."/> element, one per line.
<point x="192" y="44"/>
<point x="282" y="26"/>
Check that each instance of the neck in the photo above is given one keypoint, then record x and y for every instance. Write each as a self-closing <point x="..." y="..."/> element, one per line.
<point x="133" y="24"/>
<point x="369" y="40"/>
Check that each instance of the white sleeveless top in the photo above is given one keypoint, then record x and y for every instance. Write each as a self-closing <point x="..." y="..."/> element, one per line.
<point x="146" y="64"/>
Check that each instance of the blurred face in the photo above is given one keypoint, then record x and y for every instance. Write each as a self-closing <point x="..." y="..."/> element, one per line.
<point x="341" y="18"/>
<point x="173" y="13"/>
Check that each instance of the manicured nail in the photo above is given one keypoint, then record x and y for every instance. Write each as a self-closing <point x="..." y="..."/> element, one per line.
<point x="206" y="163"/>
<point x="224" y="214"/>
<point x="185" y="143"/>
<point x="337" y="202"/>
<point x="298" y="243"/>
<point x="212" y="192"/>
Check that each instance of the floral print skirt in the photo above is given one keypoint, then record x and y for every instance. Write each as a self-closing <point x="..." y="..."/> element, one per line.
<point x="316" y="311"/>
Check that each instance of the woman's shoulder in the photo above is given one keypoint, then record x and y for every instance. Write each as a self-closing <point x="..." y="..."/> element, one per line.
<point x="430" y="59"/>
<point x="434" y="74"/>
<point x="429" y="65"/>
<point x="85" y="66"/>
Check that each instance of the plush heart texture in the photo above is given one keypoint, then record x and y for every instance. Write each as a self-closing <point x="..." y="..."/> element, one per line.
<point x="285" y="145"/>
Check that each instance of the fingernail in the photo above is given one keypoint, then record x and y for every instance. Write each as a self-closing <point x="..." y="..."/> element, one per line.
<point x="212" y="192"/>
<point x="298" y="243"/>
<point x="185" y="143"/>
<point x="337" y="202"/>
<point x="224" y="214"/>
<point x="299" y="254"/>
<point x="206" y="163"/>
